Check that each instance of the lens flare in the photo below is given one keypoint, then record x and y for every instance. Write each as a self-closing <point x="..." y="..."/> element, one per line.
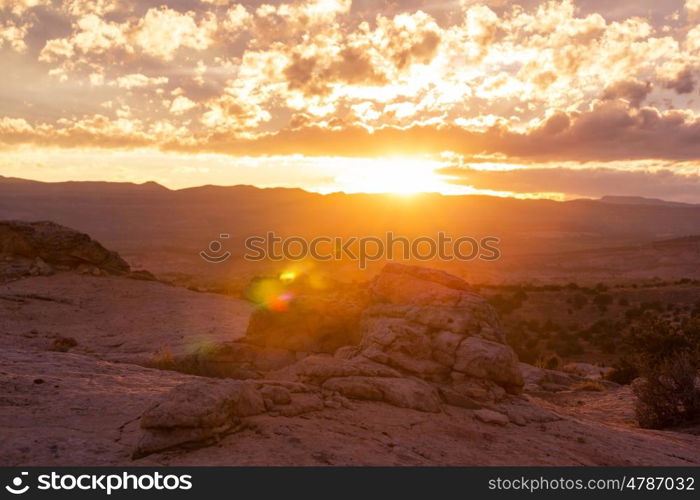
<point x="288" y="276"/>
<point x="270" y="293"/>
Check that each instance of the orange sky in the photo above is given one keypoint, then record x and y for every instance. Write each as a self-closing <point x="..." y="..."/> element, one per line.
<point x="529" y="98"/>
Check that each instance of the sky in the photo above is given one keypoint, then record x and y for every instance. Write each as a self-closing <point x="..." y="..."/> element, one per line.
<point x="557" y="99"/>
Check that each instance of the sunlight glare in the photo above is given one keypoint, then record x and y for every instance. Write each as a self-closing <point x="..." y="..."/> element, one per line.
<point x="398" y="175"/>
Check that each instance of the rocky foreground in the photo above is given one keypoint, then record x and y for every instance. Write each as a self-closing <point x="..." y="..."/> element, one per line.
<point x="412" y="370"/>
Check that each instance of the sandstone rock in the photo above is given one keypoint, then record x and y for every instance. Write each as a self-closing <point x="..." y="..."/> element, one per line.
<point x="478" y="389"/>
<point x="195" y="412"/>
<point x="204" y="403"/>
<point x="524" y="412"/>
<point x="489" y="360"/>
<point x="277" y="394"/>
<point x="444" y="346"/>
<point x="560" y="378"/>
<point x="347" y="352"/>
<point x="227" y="356"/>
<point x="143" y="275"/>
<point x="318" y="368"/>
<point x="401" y="288"/>
<point x="421" y="327"/>
<point x="419" y="318"/>
<point x="491" y="417"/>
<point x="426" y="324"/>
<point x="552" y="387"/>
<point x="41" y="268"/>
<point x="586" y="370"/>
<point x="56" y="246"/>
<point x="300" y="404"/>
<point x="313" y="323"/>
<point x="454" y="398"/>
<point x="531" y="374"/>
<point x="401" y="392"/>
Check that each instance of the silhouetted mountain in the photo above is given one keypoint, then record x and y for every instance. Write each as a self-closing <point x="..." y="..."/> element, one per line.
<point x="144" y="219"/>
<point x="640" y="200"/>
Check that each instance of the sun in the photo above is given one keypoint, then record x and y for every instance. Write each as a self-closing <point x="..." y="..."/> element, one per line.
<point x="396" y="175"/>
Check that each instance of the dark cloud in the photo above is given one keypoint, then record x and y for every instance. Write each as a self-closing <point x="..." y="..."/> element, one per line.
<point x="632" y="90"/>
<point x="591" y="182"/>
<point x="609" y="131"/>
<point x="315" y="77"/>
<point x="683" y="82"/>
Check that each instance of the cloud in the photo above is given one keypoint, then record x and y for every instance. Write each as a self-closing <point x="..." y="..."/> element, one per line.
<point x="588" y="182"/>
<point x="138" y="80"/>
<point x="552" y="80"/>
<point x="163" y="31"/>
<point x="632" y="90"/>
<point x="683" y="82"/>
<point x="13" y="35"/>
<point x="19" y="7"/>
<point x="692" y="8"/>
<point x="181" y="104"/>
<point x="608" y="131"/>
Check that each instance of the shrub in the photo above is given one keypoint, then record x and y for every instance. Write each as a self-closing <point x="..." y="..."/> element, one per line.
<point x="63" y="344"/>
<point x="623" y="372"/>
<point x="550" y="362"/>
<point x="578" y="301"/>
<point x="667" y="356"/>
<point x="589" y="385"/>
<point x="163" y="359"/>
<point x="603" y="300"/>
<point x="667" y="394"/>
<point x="503" y="305"/>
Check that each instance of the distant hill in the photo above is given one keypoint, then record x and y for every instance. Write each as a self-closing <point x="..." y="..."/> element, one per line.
<point x="163" y="229"/>
<point x="640" y="200"/>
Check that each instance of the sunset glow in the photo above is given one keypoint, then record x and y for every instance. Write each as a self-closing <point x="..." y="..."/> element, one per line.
<point x="568" y="98"/>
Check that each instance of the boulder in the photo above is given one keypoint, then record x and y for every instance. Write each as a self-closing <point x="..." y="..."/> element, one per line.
<point x="489" y="360"/>
<point x="401" y="392"/>
<point x="586" y="370"/>
<point x="428" y="323"/>
<point x="491" y="417"/>
<point x="420" y="337"/>
<point x="40" y="268"/>
<point x="300" y="404"/>
<point x="423" y="325"/>
<point x="197" y="412"/>
<point x="455" y="398"/>
<point x="276" y="394"/>
<point x="47" y="245"/>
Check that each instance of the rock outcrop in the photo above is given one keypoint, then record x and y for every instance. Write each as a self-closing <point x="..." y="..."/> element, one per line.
<point x="39" y="248"/>
<point x="313" y="322"/>
<point x="196" y="412"/>
<point x="422" y="339"/>
<point x="430" y="325"/>
<point x="202" y="411"/>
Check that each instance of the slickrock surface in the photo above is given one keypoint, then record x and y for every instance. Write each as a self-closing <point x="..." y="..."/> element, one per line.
<point x="116" y="318"/>
<point x="425" y="379"/>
